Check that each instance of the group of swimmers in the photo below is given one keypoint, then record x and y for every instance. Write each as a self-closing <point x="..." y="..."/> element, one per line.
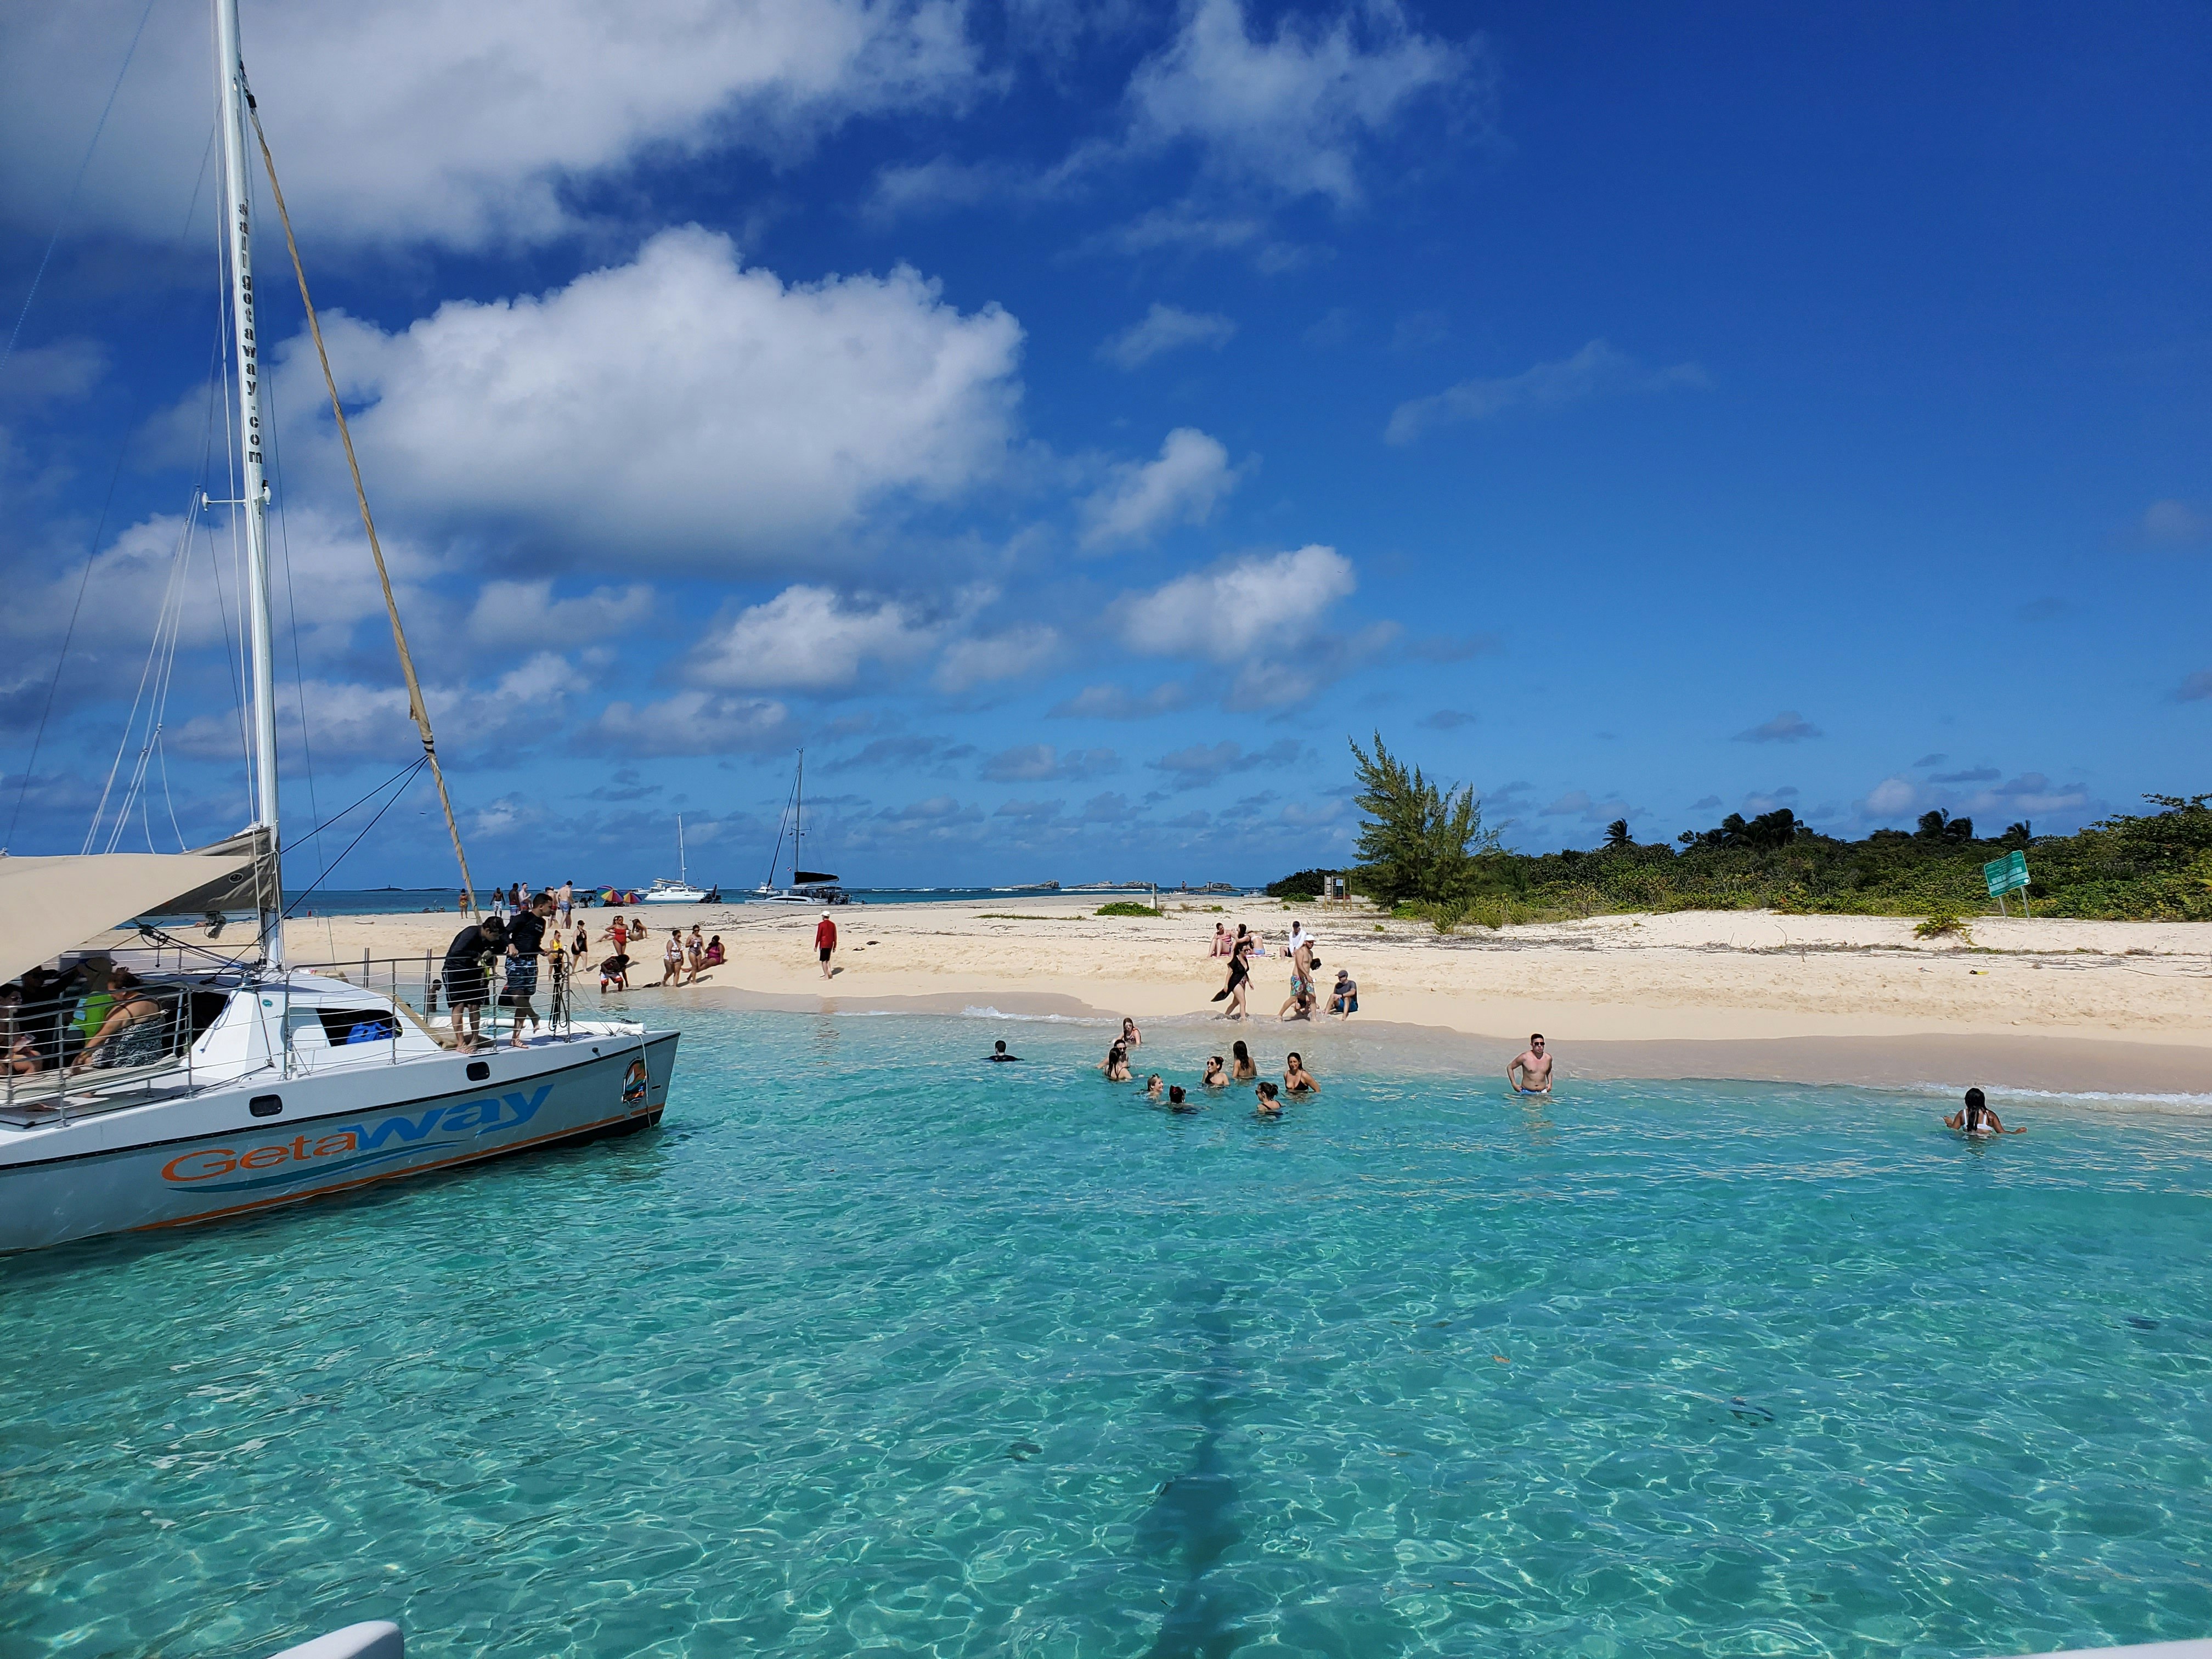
<point x="1239" y="1067"/>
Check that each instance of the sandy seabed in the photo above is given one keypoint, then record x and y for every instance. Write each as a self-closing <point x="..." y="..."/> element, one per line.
<point x="2069" y="1006"/>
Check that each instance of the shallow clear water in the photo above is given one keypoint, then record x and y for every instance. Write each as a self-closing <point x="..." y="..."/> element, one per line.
<point x="875" y="1346"/>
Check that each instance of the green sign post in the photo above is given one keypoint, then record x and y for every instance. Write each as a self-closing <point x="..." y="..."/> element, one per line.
<point x="2008" y="875"/>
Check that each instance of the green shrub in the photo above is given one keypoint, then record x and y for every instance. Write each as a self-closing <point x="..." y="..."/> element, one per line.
<point x="1942" y="921"/>
<point x="1125" y="908"/>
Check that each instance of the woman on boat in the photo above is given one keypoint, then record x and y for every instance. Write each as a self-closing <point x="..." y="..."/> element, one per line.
<point x="133" y="1034"/>
<point x="1241" y="1068"/>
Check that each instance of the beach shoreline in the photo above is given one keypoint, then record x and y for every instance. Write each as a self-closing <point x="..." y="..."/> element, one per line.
<point x="2066" y="1006"/>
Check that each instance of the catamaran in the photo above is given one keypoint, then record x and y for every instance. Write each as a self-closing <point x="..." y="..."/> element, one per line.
<point x="807" y="886"/>
<point x="680" y="891"/>
<point x="237" y="1082"/>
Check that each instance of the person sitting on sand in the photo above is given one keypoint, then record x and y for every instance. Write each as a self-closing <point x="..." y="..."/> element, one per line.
<point x="1153" y="1086"/>
<point x="1296" y="1080"/>
<point x="1178" y="1101"/>
<point x="1535" y="1065"/>
<point x="999" y="1054"/>
<point x="714" y="953"/>
<point x="1241" y="1069"/>
<point x="1223" y="943"/>
<point x="1976" y="1118"/>
<point x="1216" y="1076"/>
<point x="1116" y="1066"/>
<point x="1131" y="1037"/>
<point x="1344" y="1000"/>
<point x="1268" y="1106"/>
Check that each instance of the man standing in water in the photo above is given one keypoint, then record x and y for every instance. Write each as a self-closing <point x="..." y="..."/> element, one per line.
<point x="1533" y="1063"/>
<point x="825" y="942"/>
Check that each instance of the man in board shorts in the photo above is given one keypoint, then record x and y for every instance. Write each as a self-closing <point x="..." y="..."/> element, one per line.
<point x="464" y="973"/>
<point x="525" y="936"/>
<point x="825" y="942"/>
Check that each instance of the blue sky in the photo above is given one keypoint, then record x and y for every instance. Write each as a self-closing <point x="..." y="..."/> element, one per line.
<point x="1071" y="425"/>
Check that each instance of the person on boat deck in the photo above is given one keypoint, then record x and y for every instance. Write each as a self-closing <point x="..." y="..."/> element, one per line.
<point x="1975" y="1117"/>
<point x="23" y="1053"/>
<point x="525" y="939"/>
<point x="134" y="1032"/>
<point x="466" y="991"/>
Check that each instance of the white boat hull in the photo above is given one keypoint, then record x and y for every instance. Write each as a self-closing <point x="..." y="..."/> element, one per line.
<point x="208" y="1156"/>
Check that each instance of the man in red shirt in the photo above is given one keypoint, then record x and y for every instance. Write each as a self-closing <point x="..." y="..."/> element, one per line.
<point x="825" y="942"/>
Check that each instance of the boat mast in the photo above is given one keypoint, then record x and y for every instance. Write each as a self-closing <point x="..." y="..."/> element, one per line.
<point x="798" y="816"/>
<point x="683" y="876"/>
<point x="230" y="87"/>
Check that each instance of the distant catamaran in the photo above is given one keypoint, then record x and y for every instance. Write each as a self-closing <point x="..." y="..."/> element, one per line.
<point x="807" y="886"/>
<point x="236" y="1083"/>
<point x="680" y="891"/>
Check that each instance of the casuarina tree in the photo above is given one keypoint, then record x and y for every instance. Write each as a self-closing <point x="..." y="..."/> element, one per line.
<point x="1418" y="841"/>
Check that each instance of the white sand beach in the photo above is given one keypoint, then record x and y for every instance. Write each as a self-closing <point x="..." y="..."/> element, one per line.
<point x="2069" y="1005"/>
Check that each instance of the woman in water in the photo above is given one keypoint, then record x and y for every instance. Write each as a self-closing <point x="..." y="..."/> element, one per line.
<point x="1296" y="1080"/>
<point x="1976" y="1118"/>
<point x="1216" y="1077"/>
<point x="1268" y="1106"/>
<point x="1241" y="1070"/>
<point x="1116" y="1066"/>
<point x="1179" y="1102"/>
<point x="1153" y="1086"/>
<point x="1131" y="1037"/>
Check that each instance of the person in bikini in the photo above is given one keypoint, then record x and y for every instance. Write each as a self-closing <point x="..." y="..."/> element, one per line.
<point x="1975" y="1118"/>
<point x="1216" y="1076"/>
<point x="1296" y="1080"/>
<point x="1241" y="1068"/>
<point x="1270" y="1105"/>
<point x="1116" y="1066"/>
<point x="1533" y="1063"/>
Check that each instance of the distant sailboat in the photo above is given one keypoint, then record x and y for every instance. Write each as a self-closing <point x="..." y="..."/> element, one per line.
<point x="807" y="886"/>
<point x="680" y="890"/>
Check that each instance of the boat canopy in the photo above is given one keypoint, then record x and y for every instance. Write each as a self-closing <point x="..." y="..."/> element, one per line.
<point x="808" y="878"/>
<point x="55" y="904"/>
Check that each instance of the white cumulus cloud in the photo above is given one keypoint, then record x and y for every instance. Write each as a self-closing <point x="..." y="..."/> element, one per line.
<point x="1292" y="113"/>
<point x="1267" y="600"/>
<point x="678" y="405"/>
<point x="1183" y="486"/>
<point x="808" y="639"/>
<point x="462" y="122"/>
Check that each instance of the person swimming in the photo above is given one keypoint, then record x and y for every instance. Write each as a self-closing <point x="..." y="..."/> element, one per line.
<point x="1178" y="1101"/>
<point x="1296" y="1080"/>
<point x="1241" y="1070"/>
<point x="1975" y="1118"/>
<point x="1269" y="1105"/>
<point x="1216" y="1077"/>
<point x="1130" y="1035"/>
<point x="1116" y="1064"/>
<point x="1153" y="1086"/>
<point x="998" y="1052"/>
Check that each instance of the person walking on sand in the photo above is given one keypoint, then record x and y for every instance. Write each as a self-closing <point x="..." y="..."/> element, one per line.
<point x="1533" y="1063"/>
<point x="825" y="942"/>
<point x="568" y="898"/>
<point x="672" y="957"/>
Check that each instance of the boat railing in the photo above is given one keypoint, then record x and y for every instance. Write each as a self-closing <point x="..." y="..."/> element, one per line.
<point x="50" y="1078"/>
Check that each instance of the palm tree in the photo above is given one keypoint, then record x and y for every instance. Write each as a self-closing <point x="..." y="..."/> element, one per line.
<point x="1616" y="837"/>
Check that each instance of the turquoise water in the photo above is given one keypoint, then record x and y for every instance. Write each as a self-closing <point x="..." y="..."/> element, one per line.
<point x="874" y="1346"/>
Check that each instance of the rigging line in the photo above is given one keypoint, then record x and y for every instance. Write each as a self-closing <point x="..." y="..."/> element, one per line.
<point x="69" y="202"/>
<point x="122" y="453"/>
<point x="342" y="816"/>
<point x="162" y="752"/>
<point x="419" y="764"/>
<point x="139" y="697"/>
<point x="416" y="706"/>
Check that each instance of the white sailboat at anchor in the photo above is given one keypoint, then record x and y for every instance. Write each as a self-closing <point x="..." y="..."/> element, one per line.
<point x="231" y="1084"/>
<point x="680" y="890"/>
